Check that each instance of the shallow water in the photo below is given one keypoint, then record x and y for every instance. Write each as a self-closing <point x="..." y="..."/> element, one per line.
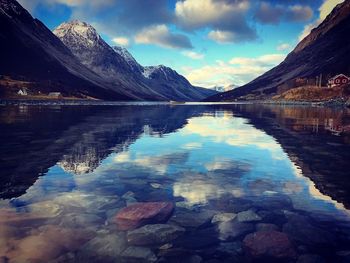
<point x="66" y="171"/>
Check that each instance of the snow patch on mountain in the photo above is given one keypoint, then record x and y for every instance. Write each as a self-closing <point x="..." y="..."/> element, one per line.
<point x="130" y="60"/>
<point x="81" y="31"/>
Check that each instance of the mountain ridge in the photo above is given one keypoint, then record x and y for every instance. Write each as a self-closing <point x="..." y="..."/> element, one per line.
<point x="34" y="58"/>
<point x="313" y="56"/>
<point x="31" y="50"/>
<point x="117" y="64"/>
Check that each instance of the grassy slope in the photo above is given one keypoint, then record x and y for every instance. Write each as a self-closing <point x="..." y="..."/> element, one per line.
<point x="312" y="93"/>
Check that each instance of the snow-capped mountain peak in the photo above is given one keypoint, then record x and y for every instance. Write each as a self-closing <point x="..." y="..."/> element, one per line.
<point x="81" y="31"/>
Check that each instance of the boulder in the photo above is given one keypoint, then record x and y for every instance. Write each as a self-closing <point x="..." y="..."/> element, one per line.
<point x="198" y="239"/>
<point x="302" y="231"/>
<point x="47" y="243"/>
<point x="139" y="214"/>
<point x="268" y="244"/>
<point x="156" y="234"/>
<point x="192" y="219"/>
<point x="248" y="216"/>
<point x="223" y="217"/>
<point x="139" y="254"/>
<point x="103" y="248"/>
<point x="233" y="229"/>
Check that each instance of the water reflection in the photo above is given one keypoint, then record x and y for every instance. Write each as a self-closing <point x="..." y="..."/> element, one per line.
<point x="67" y="171"/>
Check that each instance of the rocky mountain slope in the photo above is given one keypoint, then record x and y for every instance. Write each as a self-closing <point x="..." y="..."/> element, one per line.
<point x="116" y="64"/>
<point x="30" y="51"/>
<point x="326" y="51"/>
<point x="77" y="63"/>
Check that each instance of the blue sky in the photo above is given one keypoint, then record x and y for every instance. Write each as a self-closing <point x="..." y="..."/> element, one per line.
<point x="211" y="42"/>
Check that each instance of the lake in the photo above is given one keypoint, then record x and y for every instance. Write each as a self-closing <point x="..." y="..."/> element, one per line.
<point x="174" y="183"/>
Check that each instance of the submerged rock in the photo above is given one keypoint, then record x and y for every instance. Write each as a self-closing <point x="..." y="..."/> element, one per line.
<point x="223" y="217"/>
<point x="191" y="219"/>
<point x="103" y="248"/>
<point x="268" y="244"/>
<point x="139" y="254"/>
<point x="233" y="229"/>
<point x="81" y="220"/>
<point x="198" y="239"/>
<point x="300" y="230"/>
<point x="140" y="214"/>
<point x="229" y="249"/>
<point x="248" y="216"/>
<point x="47" y="243"/>
<point x="154" y="234"/>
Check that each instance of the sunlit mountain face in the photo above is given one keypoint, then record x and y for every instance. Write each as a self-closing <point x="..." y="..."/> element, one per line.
<point x="211" y="42"/>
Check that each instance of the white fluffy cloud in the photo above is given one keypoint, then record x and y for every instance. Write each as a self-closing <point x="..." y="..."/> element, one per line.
<point x="122" y="41"/>
<point x="225" y="19"/>
<point x="161" y="36"/>
<point x="193" y="55"/>
<point x="283" y="47"/>
<point x="324" y="10"/>
<point x="196" y="14"/>
<point x="221" y="36"/>
<point x="238" y="71"/>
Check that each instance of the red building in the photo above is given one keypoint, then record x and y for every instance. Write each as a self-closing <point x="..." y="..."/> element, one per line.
<point x="338" y="80"/>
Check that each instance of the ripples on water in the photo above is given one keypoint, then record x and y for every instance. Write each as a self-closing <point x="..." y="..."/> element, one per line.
<point x="66" y="171"/>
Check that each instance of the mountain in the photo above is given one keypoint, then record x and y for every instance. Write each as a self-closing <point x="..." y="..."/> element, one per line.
<point x="30" y="51"/>
<point x="326" y="51"/>
<point x="129" y="59"/>
<point x="172" y="84"/>
<point x="117" y="65"/>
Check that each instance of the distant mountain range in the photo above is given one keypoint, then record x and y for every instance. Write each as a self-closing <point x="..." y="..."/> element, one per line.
<point x="76" y="61"/>
<point x="326" y="51"/>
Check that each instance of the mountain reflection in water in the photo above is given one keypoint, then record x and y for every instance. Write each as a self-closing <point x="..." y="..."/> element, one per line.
<point x="66" y="168"/>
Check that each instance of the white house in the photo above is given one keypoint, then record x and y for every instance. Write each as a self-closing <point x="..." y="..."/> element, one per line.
<point x="22" y="92"/>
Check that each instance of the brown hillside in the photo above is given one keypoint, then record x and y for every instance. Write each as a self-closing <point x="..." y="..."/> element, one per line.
<point x="313" y="93"/>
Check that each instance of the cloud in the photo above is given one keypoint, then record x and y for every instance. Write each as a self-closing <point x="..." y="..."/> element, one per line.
<point x="122" y="41"/>
<point x="229" y="37"/>
<point x="193" y="55"/>
<point x="299" y="13"/>
<point x="283" y="47"/>
<point x="269" y="14"/>
<point x="238" y="71"/>
<point x="324" y="10"/>
<point x="161" y="36"/>
<point x="226" y="19"/>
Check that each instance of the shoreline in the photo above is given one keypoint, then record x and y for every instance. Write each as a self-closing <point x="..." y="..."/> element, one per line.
<point x="87" y="102"/>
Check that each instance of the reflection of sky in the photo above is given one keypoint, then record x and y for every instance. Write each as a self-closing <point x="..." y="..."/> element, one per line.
<point x="209" y="157"/>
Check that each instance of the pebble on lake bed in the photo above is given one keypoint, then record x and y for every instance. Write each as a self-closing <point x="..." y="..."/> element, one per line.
<point x="270" y="244"/>
<point x="139" y="214"/>
<point x="223" y="217"/>
<point x="248" y="216"/>
<point x="156" y="234"/>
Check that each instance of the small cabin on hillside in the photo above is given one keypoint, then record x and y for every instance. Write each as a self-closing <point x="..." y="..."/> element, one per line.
<point x="22" y="92"/>
<point x="56" y="95"/>
<point x="338" y="80"/>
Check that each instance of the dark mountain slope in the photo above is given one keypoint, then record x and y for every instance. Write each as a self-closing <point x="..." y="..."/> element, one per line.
<point x="325" y="50"/>
<point x="30" y="51"/>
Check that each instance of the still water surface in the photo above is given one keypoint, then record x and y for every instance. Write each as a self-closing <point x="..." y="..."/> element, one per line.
<point x="229" y="170"/>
